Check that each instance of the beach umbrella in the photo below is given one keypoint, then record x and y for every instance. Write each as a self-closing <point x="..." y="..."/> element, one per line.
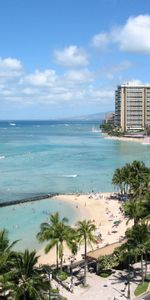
<point x="117" y="222"/>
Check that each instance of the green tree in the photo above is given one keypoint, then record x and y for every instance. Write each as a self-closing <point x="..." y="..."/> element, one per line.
<point x="139" y="176"/>
<point x="134" y="210"/>
<point x="48" y="232"/>
<point x="57" y="232"/>
<point x="133" y="178"/>
<point x="85" y="234"/>
<point x="118" y="179"/>
<point x="26" y="282"/>
<point x="146" y="205"/>
<point x="138" y="240"/>
<point x="107" y="262"/>
<point x="6" y="256"/>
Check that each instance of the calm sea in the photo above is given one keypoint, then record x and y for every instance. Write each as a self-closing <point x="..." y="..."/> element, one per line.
<point x="40" y="157"/>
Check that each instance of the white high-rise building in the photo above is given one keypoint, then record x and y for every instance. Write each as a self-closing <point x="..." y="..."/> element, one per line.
<point x="132" y="107"/>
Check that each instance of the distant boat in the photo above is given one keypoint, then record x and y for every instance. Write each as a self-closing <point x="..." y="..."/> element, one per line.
<point x="95" y="129"/>
<point x="12" y="124"/>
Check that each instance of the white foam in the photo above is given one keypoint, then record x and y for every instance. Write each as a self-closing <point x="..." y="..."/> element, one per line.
<point x="70" y="176"/>
<point x="95" y="130"/>
<point x="2" y="157"/>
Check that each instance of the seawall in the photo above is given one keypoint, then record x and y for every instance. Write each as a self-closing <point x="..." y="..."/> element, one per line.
<point x="26" y="200"/>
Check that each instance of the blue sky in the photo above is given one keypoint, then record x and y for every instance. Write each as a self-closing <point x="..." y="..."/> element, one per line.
<point x="62" y="58"/>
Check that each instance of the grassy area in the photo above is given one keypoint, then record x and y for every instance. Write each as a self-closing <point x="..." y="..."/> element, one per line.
<point x="62" y="276"/>
<point x="141" y="288"/>
<point x="148" y="278"/>
<point x="105" y="274"/>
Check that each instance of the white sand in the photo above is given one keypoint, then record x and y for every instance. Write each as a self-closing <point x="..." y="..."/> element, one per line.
<point x="125" y="139"/>
<point x="98" y="208"/>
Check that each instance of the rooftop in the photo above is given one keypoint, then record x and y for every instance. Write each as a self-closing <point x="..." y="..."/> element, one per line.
<point x="106" y="250"/>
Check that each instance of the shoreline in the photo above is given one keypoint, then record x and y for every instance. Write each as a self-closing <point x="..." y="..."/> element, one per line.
<point x="126" y="139"/>
<point x="102" y="211"/>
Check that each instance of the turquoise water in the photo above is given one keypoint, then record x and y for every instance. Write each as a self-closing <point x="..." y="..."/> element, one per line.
<point x="42" y="157"/>
<point x="23" y="220"/>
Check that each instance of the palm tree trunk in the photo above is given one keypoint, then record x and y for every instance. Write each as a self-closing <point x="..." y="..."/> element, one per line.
<point x="24" y="296"/>
<point x="61" y="257"/>
<point x="145" y="265"/>
<point x="57" y="255"/>
<point x="85" y="261"/>
<point x="142" y="273"/>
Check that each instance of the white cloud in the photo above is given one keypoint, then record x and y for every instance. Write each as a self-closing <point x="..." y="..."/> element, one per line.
<point x="47" y="87"/>
<point x="133" y="36"/>
<point x="71" y="56"/>
<point x="10" y="63"/>
<point x="135" y="82"/>
<point x="101" y="41"/>
<point x="10" y="68"/>
<point x="45" y="78"/>
<point x="102" y="95"/>
<point x="111" y="71"/>
<point x="79" y="76"/>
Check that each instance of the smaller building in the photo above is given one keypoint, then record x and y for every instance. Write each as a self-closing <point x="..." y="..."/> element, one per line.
<point x="110" y="118"/>
<point x="109" y="249"/>
<point x="106" y="250"/>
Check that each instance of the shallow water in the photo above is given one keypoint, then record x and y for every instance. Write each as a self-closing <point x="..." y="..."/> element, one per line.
<point x="23" y="220"/>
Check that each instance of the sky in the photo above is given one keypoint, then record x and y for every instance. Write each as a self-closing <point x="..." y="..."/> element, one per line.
<point x="64" y="58"/>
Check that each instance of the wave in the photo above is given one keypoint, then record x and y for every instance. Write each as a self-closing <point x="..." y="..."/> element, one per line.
<point x="2" y="157"/>
<point x="146" y="141"/>
<point x="95" y="130"/>
<point x="70" y="176"/>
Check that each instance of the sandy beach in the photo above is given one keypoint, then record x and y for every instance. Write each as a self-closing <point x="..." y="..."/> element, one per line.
<point x="126" y="139"/>
<point x="98" y="208"/>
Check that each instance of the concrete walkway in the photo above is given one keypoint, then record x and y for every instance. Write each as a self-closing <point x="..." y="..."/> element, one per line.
<point x="113" y="287"/>
<point x="98" y="289"/>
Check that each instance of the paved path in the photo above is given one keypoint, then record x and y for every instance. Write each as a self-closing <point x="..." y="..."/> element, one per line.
<point x="111" y="288"/>
<point x="99" y="289"/>
<point x="147" y="297"/>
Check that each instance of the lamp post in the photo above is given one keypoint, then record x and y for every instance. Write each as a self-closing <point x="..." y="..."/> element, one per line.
<point x="128" y="282"/>
<point x="71" y="259"/>
<point x="48" y="271"/>
<point x="50" y="278"/>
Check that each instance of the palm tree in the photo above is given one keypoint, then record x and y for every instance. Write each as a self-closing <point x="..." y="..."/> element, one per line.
<point x="138" y="178"/>
<point x="6" y="256"/>
<point x="134" y="210"/>
<point x="85" y="234"/>
<point x="138" y="238"/>
<point x="146" y="205"/>
<point x="118" y="179"/>
<point x="134" y="178"/>
<point x="56" y="233"/>
<point x="26" y="282"/>
<point x="67" y="235"/>
<point x="48" y="233"/>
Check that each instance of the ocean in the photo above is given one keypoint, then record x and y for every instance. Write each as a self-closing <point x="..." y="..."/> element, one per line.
<point x="40" y="157"/>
